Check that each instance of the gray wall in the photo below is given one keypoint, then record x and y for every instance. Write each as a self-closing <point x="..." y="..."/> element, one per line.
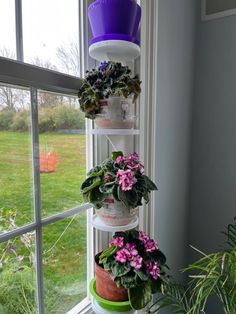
<point x="174" y="87"/>
<point x="213" y="176"/>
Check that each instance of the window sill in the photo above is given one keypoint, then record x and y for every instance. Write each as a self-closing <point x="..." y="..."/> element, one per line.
<point x="84" y="307"/>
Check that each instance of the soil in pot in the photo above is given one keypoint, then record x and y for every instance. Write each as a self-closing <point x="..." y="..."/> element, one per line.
<point x="106" y="287"/>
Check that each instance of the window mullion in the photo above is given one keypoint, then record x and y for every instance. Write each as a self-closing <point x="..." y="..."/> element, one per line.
<point x="19" y="30"/>
<point x="37" y="199"/>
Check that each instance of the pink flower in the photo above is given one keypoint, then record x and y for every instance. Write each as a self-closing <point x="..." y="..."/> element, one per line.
<point x="119" y="159"/>
<point x="118" y="241"/>
<point x="130" y="251"/>
<point x="132" y="162"/>
<point x="121" y="256"/>
<point x="153" y="269"/>
<point x="151" y="245"/>
<point x="143" y="237"/>
<point x="136" y="262"/>
<point x="126" y="179"/>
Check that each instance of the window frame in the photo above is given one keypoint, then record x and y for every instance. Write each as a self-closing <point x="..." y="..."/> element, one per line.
<point x="18" y="73"/>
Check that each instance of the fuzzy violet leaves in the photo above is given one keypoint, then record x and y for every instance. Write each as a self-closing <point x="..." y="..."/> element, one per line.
<point x="121" y="177"/>
<point x="109" y="79"/>
<point x="135" y="263"/>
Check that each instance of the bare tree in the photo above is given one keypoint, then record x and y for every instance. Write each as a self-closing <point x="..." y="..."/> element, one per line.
<point x="12" y="98"/>
<point x="69" y="58"/>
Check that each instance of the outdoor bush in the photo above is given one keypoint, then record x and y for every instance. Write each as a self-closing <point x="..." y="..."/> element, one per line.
<point x="68" y="117"/>
<point x="46" y="120"/>
<point x="21" y="121"/>
<point x="6" y="119"/>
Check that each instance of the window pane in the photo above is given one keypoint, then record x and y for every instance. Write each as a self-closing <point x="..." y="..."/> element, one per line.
<point x="62" y="152"/>
<point x="7" y="29"/>
<point x="65" y="263"/>
<point x="50" y="34"/>
<point x="15" y="151"/>
<point x="17" y="274"/>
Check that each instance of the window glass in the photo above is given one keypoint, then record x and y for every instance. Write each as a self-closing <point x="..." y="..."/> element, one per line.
<point x="16" y="192"/>
<point x="65" y="264"/>
<point x="17" y="272"/>
<point x="62" y="152"/>
<point x="7" y="29"/>
<point x="50" y="34"/>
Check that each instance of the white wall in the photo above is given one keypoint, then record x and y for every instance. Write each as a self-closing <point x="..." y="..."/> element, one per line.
<point x="176" y="31"/>
<point x="213" y="176"/>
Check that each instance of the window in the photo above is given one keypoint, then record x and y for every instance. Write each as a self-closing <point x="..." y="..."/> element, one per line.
<point x="44" y="151"/>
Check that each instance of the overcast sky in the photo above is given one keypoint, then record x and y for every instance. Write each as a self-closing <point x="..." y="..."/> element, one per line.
<point x="47" y="24"/>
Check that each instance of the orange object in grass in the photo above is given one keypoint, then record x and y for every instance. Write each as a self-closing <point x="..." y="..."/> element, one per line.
<point x="48" y="162"/>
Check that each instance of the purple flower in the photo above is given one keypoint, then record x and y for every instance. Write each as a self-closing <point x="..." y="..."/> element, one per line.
<point x="121" y="256"/>
<point x="126" y="179"/>
<point x="153" y="269"/>
<point x="118" y="241"/>
<point x="102" y="66"/>
<point x="136" y="262"/>
<point x="143" y="237"/>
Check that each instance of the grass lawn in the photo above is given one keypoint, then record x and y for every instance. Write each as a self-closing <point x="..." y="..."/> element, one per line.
<point x="65" y="262"/>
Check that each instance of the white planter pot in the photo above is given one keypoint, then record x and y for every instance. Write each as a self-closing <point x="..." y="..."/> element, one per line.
<point x="114" y="213"/>
<point x="117" y="114"/>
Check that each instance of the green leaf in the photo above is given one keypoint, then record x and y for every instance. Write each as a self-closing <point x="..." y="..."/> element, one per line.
<point x="129" y="281"/>
<point x="107" y="188"/>
<point x="89" y="184"/>
<point x="141" y="275"/>
<point x="151" y="186"/>
<point x="140" y="296"/>
<point x="155" y="285"/>
<point x="114" y="155"/>
<point x="106" y="253"/>
<point x="129" y="198"/>
<point x="119" y="270"/>
<point x="96" y="197"/>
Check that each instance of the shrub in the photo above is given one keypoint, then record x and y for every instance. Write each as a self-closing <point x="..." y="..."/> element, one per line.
<point x="46" y="120"/>
<point x="21" y="121"/>
<point x="6" y="119"/>
<point x="68" y="117"/>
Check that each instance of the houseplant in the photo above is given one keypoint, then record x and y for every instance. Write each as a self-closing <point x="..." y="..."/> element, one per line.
<point x="136" y="266"/>
<point x="114" y="20"/>
<point x="109" y="79"/>
<point x="212" y="274"/>
<point x="117" y="187"/>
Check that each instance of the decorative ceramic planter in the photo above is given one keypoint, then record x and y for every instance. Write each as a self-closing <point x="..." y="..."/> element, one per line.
<point x="116" y="113"/>
<point x="114" y="213"/>
<point x="106" y="287"/>
<point x="114" y="20"/>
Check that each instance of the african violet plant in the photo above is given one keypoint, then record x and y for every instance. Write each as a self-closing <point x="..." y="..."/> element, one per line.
<point x="120" y="176"/>
<point x="135" y="262"/>
<point x="109" y="79"/>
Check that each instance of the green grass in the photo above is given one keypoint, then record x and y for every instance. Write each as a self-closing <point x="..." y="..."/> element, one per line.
<point x="65" y="262"/>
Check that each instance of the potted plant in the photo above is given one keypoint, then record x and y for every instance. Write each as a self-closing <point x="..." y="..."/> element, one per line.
<point x="110" y="79"/>
<point x="131" y="268"/>
<point x="117" y="187"/>
<point x="114" y="20"/>
<point x="212" y="274"/>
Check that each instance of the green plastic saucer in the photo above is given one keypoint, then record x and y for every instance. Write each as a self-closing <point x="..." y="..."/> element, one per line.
<point x="108" y="305"/>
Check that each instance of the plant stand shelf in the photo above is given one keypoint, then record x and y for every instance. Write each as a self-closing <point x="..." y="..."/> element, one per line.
<point x="100" y="225"/>
<point x="114" y="50"/>
<point x="121" y="132"/>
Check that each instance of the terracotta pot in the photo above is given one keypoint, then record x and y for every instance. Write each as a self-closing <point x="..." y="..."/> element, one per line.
<point x="106" y="288"/>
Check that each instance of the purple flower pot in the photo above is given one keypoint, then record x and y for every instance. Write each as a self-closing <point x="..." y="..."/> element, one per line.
<point x="114" y="19"/>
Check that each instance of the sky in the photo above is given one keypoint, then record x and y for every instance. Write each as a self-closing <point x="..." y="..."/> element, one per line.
<point x="47" y="24"/>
